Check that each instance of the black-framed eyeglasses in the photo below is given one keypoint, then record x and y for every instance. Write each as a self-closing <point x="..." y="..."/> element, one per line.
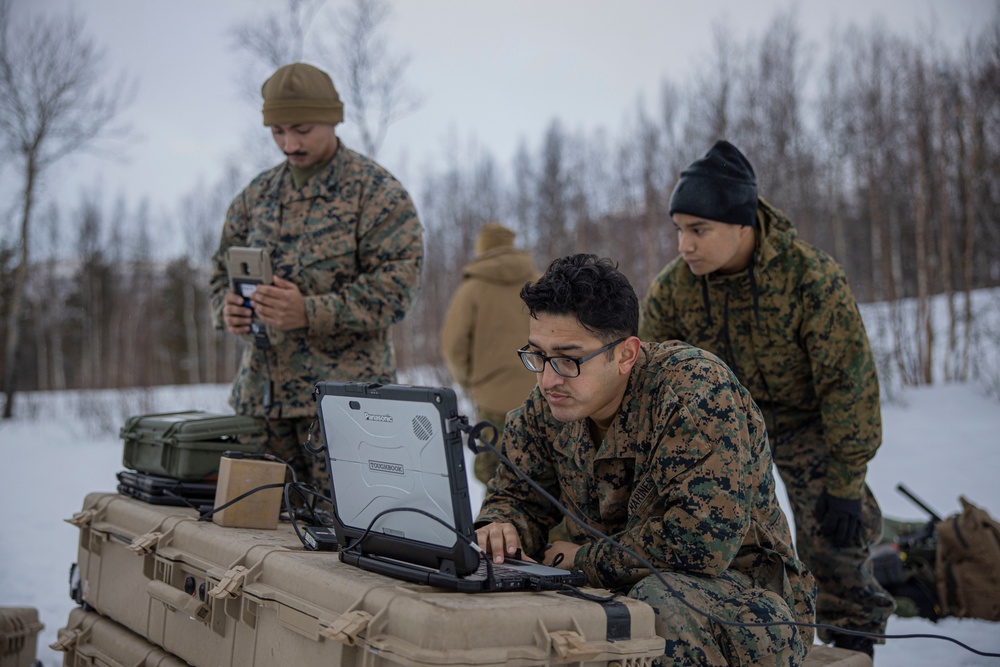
<point x="568" y="367"/>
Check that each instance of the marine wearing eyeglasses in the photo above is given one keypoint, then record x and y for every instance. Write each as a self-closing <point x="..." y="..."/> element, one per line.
<point x="660" y="447"/>
<point x="568" y="367"/>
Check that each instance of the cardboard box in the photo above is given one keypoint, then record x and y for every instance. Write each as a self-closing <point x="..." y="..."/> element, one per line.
<point x="261" y="508"/>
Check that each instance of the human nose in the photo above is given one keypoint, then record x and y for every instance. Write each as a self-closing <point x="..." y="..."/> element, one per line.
<point x="287" y="143"/>
<point x="548" y="377"/>
<point x="685" y="243"/>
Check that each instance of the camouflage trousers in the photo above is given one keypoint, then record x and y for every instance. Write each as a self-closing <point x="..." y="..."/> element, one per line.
<point x="849" y="596"/>
<point x="692" y="639"/>
<point x="284" y="438"/>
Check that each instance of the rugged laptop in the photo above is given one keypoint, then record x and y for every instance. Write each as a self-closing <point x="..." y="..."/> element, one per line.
<point x="400" y="490"/>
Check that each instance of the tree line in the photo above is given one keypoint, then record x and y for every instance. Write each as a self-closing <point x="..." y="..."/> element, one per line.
<point x="885" y="153"/>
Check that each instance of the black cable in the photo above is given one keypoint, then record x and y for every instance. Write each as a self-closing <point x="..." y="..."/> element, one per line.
<point x="479" y="428"/>
<point x="268" y="399"/>
<point x="356" y="547"/>
<point x="307" y="446"/>
<point x="208" y="515"/>
<point x="169" y="493"/>
<point x="565" y="589"/>
<point x="302" y="490"/>
<point x="569" y="589"/>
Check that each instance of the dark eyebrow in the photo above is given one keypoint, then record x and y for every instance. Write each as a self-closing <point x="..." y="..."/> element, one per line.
<point x="569" y="347"/>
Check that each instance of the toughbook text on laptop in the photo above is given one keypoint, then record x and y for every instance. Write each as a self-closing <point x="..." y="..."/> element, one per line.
<point x="400" y="490"/>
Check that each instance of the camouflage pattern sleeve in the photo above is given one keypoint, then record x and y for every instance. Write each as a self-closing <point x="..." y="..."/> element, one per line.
<point x="844" y="377"/>
<point x="389" y="256"/>
<point x="690" y="505"/>
<point x="657" y="320"/>
<point x="234" y="233"/>
<point x="671" y="481"/>
<point x="351" y="242"/>
<point x="526" y="437"/>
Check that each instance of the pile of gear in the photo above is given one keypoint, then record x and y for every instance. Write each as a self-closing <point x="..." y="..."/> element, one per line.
<point x="942" y="567"/>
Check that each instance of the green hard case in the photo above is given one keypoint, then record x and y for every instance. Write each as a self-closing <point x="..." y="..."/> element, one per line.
<point x="185" y="445"/>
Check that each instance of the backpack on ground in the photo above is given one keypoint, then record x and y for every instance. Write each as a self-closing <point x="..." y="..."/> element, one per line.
<point x="967" y="566"/>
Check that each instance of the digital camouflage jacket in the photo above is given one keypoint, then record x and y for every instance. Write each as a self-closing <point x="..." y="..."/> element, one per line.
<point x="801" y="349"/>
<point x="351" y="241"/>
<point x="683" y="478"/>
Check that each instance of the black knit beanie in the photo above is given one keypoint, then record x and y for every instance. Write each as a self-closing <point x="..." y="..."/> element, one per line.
<point x="720" y="186"/>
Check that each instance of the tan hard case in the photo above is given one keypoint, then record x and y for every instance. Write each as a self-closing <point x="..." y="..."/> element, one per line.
<point x="19" y="628"/>
<point x="91" y="639"/>
<point x="217" y="596"/>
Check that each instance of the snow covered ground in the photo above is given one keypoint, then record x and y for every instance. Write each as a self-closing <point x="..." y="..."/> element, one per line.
<point x="941" y="442"/>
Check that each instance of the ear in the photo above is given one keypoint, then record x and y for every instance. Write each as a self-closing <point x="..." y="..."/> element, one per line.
<point x="628" y="354"/>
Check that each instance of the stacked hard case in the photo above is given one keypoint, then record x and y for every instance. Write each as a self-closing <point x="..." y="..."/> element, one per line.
<point x="215" y="597"/>
<point x="185" y="445"/>
<point x="91" y="639"/>
<point x="19" y="628"/>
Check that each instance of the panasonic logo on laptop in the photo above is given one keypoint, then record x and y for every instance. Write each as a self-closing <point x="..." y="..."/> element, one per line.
<point x="384" y="466"/>
<point x="378" y="418"/>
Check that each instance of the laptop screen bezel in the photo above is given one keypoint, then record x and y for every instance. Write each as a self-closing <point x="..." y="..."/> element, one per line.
<point x="460" y="557"/>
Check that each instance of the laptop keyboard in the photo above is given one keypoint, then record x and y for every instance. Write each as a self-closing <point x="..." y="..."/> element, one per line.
<point x="513" y="579"/>
<point x="499" y="571"/>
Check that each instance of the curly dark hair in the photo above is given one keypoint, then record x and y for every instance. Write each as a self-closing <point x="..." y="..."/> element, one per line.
<point x="590" y="288"/>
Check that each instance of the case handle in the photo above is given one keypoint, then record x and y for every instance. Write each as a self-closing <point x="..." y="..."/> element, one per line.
<point x="178" y="599"/>
<point x="231" y="584"/>
<point x="570" y="645"/>
<point x="67" y="640"/>
<point x="347" y="628"/>
<point x="145" y="544"/>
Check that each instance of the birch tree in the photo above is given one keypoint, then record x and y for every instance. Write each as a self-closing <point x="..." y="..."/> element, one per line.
<point x="54" y="102"/>
<point x="371" y="79"/>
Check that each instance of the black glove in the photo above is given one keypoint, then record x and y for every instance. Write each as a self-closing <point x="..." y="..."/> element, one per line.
<point x="839" y="518"/>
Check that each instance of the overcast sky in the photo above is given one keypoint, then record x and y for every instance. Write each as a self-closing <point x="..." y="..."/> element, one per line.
<point x="494" y="72"/>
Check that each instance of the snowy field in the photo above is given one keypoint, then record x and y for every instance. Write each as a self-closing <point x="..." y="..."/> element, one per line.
<point x="941" y="442"/>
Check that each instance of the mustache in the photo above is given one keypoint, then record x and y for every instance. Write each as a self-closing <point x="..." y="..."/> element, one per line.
<point x="296" y="154"/>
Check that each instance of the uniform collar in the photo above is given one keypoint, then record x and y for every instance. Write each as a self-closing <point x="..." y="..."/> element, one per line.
<point x="574" y="439"/>
<point x="323" y="185"/>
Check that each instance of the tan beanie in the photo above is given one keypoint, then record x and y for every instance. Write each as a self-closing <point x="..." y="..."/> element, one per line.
<point x="494" y="235"/>
<point x="297" y="94"/>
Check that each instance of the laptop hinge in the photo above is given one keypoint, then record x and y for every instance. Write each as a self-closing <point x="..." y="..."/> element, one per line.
<point x="448" y="567"/>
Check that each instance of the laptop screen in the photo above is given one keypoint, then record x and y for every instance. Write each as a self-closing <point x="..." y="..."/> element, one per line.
<point x="392" y="448"/>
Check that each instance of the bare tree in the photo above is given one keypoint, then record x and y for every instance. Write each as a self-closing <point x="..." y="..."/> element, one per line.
<point x="368" y="77"/>
<point x="371" y="79"/>
<point x="275" y="39"/>
<point x="522" y="196"/>
<point x="832" y="150"/>
<point x="711" y="101"/>
<point x="53" y="103"/>
<point x="552" y="193"/>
